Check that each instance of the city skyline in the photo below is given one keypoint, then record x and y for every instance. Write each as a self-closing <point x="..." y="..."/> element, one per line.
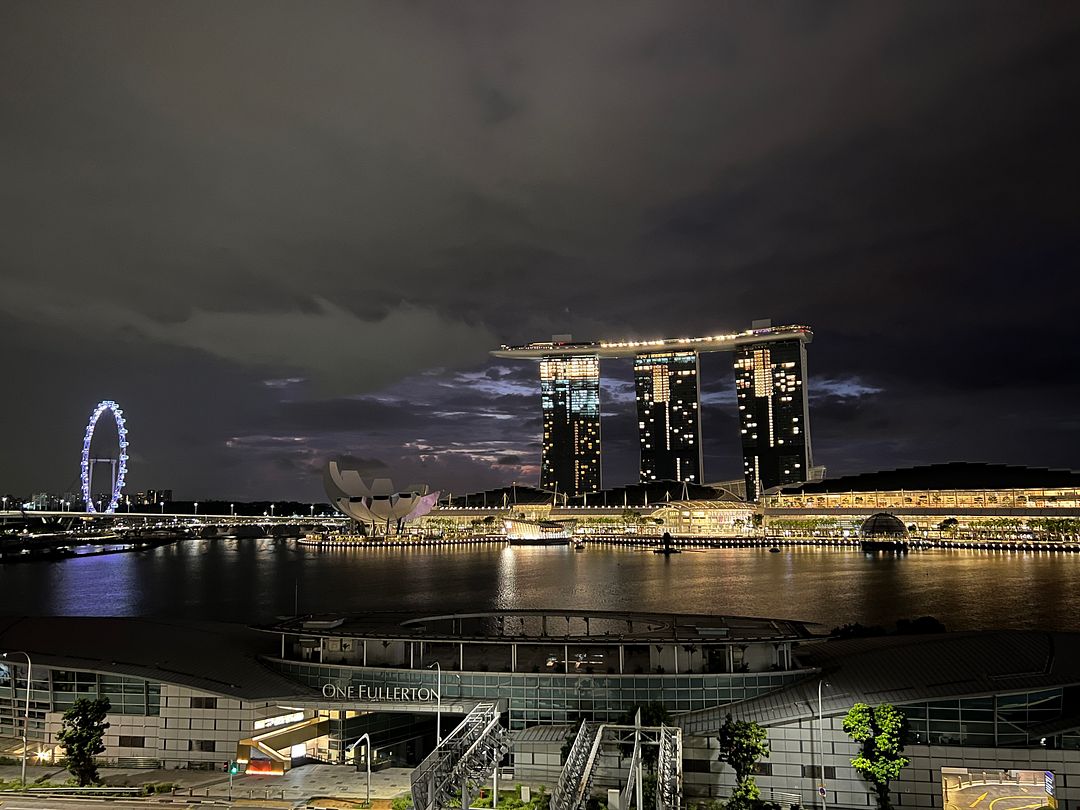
<point x="771" y="401"/>
<point x="273" y="262"/>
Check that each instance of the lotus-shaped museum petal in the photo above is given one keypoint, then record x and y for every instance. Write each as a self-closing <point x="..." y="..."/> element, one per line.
<point x="378" y="502"/>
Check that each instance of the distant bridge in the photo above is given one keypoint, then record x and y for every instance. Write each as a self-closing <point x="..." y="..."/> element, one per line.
<point x="183" y="518"/>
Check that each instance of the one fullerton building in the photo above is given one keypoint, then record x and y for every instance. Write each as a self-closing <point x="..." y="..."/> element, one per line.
<point x="770" y="386"/>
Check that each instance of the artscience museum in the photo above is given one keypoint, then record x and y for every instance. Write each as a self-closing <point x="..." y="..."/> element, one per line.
<point x="377" y="505"/>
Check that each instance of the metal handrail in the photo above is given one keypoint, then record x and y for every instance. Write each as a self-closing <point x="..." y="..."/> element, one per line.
<point x="575" y="763"/>
<point x="669" y="769"/>
<point x="631" y="783"/>
<point x="467" y="752"/>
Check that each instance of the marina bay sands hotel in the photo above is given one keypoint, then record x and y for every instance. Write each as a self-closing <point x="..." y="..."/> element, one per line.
<point x="770" y="386"/>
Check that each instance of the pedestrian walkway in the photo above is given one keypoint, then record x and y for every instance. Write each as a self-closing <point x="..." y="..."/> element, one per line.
<point x="114" y="777"/>
<point x="297" y="785"/>
<point x="311" y="782"/>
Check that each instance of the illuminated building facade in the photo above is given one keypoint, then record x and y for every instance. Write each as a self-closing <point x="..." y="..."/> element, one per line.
<point x="770" y="373"/>
<point x="570" y="401"/>
<point x="995" y="708"/>
<point x="770" y="384"/>
<point x="961" y="501"/>
<point x="669" y="419"/>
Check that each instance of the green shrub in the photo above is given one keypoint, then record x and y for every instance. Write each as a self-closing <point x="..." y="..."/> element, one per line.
<point x="150" y="788"/>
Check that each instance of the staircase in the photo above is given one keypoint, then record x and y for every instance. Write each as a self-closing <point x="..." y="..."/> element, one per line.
<point x="575" y="781"/>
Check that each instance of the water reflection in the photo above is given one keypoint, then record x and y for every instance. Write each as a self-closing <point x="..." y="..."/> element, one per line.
<point x="256" y="580"/>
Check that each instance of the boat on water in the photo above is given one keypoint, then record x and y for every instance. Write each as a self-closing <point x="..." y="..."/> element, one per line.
<point x="520" y="532"/>
<point x="579" y="545"/>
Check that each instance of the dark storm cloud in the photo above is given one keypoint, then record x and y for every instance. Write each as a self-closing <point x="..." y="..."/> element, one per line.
<point x="284" y="233"/>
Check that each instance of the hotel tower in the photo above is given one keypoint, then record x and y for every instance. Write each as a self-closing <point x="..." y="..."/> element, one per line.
<point x="770" y="385"/>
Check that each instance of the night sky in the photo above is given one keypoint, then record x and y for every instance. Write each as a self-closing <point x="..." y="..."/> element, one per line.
<point x="282" y="233"/>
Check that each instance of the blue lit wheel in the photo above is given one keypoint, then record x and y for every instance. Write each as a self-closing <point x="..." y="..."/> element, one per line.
<point x="121" y="467"/>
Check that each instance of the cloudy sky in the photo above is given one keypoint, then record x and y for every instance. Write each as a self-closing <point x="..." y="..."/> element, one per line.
<point x="283" y="233"/>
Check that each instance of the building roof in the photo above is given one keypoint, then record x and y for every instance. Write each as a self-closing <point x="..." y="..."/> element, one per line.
<point x="653" y="493"/>
<point x="629" y="348"/>
<point x="544" y="734"/>
<point x="500" y="497"/>
<point x="544" y="626"/>
<point x="961" y="475"/>
<point x="883" y="524"/>
<point x="907" y="669"/>
<point x="213" y="657"/>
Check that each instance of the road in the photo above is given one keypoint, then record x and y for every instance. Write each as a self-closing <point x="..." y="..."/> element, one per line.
<point x="997" y="797"/>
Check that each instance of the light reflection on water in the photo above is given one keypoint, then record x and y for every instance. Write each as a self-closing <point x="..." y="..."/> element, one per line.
<point x="254" y="580"/>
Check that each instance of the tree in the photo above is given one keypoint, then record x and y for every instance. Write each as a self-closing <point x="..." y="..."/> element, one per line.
<point x="742" y="744"/>
<point x="880" y="731"/>
<point x="81" y="736"/>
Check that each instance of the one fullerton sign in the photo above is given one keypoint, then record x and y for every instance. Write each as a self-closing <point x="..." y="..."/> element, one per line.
<point x="380" y="694"/>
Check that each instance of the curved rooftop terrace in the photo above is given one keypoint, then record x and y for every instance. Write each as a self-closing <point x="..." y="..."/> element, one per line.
<point x="630" y="348"/>
<point x="544" y="626"/>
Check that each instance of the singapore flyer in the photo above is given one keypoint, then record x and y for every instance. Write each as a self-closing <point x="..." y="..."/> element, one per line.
<point x="119" y="469"/>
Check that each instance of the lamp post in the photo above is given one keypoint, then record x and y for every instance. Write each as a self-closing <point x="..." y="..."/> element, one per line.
<point x="438" y="708"/>
<point x="366" y="739"/>
<point x="822" y="790"/>
<point x="26" y="712"/>
<point x="196" y="507"/>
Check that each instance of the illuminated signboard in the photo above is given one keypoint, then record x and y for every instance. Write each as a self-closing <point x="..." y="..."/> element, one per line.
<point x="380" y="694"/>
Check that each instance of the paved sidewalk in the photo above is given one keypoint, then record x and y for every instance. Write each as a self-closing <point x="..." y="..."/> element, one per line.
<point x="116" y="777"/>
<point x="314" y="781"/>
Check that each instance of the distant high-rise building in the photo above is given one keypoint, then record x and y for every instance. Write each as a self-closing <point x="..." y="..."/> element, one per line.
<point x="669" y="420"/>
<point x="570" y="400"/>
<point x="770" y="384"/>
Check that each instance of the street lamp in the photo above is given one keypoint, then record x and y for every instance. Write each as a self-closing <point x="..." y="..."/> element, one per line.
<point x="232" y="508"/>
<point x="26" y="712"/>
<point x="366" y="739"/>
<point x="272" y="509"/>
<point x="438" y="708"/>
<point x="822" y="790"/>
<point x="196" y="507"/>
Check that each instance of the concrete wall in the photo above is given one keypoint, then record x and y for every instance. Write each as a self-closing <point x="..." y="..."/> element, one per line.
<point x="795" y="745"/>
<point x="171" y="736"/>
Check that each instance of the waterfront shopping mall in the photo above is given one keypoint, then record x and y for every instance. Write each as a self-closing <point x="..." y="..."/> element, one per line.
<point x="990" y="706"/>
<point x="954" y="502"/>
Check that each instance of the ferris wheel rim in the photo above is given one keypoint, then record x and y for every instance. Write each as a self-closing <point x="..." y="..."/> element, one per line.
<point x="121" y="471"/>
